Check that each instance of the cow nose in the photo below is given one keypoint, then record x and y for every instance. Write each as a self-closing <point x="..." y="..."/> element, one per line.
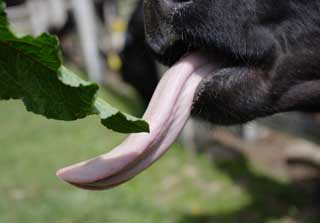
<point x="169" y="6"/>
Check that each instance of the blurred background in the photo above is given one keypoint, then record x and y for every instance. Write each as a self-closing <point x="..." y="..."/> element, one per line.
<point x="266" y="171"/>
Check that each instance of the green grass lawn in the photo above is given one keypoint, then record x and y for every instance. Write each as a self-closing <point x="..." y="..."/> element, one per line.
<point x="181" y="187"/>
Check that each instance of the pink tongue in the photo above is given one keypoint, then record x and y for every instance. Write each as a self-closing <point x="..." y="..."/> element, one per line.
<point x="167" y="114"/>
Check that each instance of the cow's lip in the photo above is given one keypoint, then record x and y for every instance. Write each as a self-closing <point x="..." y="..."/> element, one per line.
<point x="169" y="54"/>
<point x="167" y="114"/>
<point x="170" y="49"/>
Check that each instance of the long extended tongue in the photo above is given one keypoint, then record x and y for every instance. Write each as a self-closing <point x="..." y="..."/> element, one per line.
<point x="183" y="110"/>
<point x="167" y="114"/>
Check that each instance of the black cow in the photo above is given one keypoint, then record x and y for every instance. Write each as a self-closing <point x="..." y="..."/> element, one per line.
<point x="263" y="59"/>
<point x="269" y="53"/>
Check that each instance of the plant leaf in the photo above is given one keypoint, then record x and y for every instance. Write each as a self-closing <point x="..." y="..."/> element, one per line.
<point x="31" y="70"/>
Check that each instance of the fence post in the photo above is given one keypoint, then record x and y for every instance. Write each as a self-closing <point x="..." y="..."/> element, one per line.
<point x="87" y="27"/>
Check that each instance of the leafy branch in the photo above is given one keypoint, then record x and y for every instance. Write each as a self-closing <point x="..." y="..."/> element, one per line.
<point x="31" y="69"/>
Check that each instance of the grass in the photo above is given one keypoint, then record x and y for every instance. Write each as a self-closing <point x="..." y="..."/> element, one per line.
<point x="181" y="188"/>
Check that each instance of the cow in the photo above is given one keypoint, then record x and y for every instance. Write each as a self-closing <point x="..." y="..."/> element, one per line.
<point x="231" y="62"/>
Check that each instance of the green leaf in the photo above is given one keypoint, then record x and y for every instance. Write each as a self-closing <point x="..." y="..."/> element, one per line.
<point x="31" y="69"/>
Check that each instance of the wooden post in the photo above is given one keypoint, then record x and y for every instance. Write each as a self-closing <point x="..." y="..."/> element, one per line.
<point x="87" y="27"/>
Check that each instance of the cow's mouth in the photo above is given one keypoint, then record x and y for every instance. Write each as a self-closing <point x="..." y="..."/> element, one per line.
<point x="171" y="48"/>
<point x="167" y="114"/>
<point x="169" y="54"/>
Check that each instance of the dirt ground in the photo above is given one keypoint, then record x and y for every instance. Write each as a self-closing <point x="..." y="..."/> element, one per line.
<point x="292" y="159"/>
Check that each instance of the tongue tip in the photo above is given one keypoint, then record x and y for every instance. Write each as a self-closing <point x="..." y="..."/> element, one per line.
<point x="69" y="175"/>
<point x="63" y="175"/>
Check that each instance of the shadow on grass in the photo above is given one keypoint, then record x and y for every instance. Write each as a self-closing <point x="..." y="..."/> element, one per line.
<point x="270" y="199"/>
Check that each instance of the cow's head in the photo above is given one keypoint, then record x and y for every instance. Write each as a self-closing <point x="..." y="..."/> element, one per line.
<point x="249" y="59"/>
<point x="268" y="50"/>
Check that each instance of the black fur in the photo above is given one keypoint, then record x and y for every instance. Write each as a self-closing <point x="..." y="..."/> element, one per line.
<point x="270" y="51"/>
<point x="139" y="68"/>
